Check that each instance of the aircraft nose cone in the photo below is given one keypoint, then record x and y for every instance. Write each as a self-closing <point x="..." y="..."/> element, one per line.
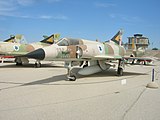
<point x="38" y="54"/>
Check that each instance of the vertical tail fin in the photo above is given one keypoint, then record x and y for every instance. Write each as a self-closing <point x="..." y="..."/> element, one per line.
<point x="51" y="39"/>
<point x="118" y="37"/>
<point x="15" y="39"/>
<point x="133" y="45"/>
<point x="11" y="39"/>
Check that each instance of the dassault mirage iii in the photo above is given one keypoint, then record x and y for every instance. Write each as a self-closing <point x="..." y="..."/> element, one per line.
<point x="137" y="55"/>
<point x="17" y="49"/>
<point x="90" y="56"/>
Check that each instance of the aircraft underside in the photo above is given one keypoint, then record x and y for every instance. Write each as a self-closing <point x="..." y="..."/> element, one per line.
<point x="91" y="67"/>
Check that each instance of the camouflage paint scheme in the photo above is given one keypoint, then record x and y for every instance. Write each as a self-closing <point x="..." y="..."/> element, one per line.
<point x="16" y="49"/>
<point x="69" y="48"/>
<point x="90" y="56"/>
<point x="12" y="46"/>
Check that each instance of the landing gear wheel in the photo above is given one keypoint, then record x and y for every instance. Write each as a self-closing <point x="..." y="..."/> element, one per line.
<point x="72" y="78"/>
<point x="120" y="71"/>
<point x="19" y="64"/>
<point x="37" y="65"/>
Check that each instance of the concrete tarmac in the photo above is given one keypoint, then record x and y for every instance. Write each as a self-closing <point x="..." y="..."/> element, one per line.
<point x="28" y="93"/>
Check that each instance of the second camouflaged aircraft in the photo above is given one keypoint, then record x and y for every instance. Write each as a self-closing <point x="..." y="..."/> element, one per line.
<point x="137" y="55"/>
<point x="17" y="49"/>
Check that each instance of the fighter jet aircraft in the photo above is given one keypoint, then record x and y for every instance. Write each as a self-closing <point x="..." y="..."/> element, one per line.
<point x="137" y="55"/>
<point x="90" y="56"/>
<point x="17" y="49"/>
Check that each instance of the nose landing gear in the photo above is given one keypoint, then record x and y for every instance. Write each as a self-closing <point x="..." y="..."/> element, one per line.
<point x="37" y="64"/>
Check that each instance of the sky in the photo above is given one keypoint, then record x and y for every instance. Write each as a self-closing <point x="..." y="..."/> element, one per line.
<point x="87" y="19"/>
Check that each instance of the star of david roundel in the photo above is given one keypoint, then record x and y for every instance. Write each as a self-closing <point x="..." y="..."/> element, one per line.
<point x="16" y="48"/>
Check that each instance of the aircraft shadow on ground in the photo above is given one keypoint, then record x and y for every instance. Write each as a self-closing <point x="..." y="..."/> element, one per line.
<point x="47" y="80"/>
<point x="53" y="80"/>
<point x="113" y="73"/>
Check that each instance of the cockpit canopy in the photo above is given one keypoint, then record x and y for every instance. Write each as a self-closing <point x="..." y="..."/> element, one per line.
<point x="69" y="41"/>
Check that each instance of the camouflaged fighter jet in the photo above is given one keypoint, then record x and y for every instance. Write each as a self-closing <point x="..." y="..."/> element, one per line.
<point x="137" y="55"/>
<point x="90" y="56"/>
<point x="16" y="49"/>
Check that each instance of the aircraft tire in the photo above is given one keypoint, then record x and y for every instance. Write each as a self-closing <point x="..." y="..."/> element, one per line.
<point x="37" y="65"/>
<point x="19" y="64"/>
<point x="72" y="78"/>
<point x="120" y="71"/>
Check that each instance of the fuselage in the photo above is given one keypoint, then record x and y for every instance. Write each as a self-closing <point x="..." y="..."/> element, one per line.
<point x="8" y="48"/>
<point x="79" y="49"/>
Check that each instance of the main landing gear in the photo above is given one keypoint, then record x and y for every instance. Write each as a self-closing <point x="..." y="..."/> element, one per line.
<point x="73" y="67"/>
<point x="70" y="75"/>
<point x="120" y="67"/>
<point x="18" y="61"/>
